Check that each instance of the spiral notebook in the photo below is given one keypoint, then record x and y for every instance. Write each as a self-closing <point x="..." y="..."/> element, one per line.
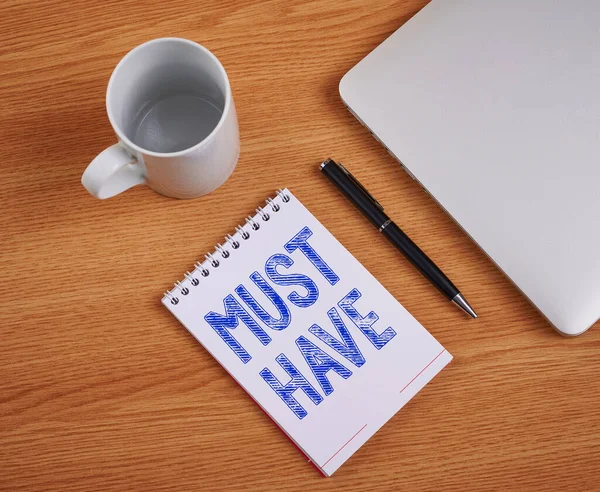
<point x="306" y="330"/>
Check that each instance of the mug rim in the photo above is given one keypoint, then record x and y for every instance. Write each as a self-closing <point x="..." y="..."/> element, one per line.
<point x="121" y="134"/>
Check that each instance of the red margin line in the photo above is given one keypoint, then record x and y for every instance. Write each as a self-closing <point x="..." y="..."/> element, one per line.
<point x="411" y="381"/>
<point x="325" y="464"/>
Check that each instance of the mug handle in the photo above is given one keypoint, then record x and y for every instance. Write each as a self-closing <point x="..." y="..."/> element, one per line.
<point x="113" y="171"/>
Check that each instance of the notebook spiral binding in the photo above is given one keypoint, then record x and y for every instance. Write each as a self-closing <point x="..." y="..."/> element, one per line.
<point x="213" y="260"/>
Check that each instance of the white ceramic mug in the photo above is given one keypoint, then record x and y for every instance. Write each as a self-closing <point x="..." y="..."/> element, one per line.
<point x="170" y="104"/>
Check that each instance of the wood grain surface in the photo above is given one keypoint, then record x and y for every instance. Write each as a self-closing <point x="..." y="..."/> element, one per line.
<point x="102" y="389"/>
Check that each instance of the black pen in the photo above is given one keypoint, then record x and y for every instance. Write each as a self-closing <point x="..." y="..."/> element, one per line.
<point x="371" y="208"/>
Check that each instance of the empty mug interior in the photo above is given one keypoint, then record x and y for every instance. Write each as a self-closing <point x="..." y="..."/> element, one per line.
<point x="167" y="96"/>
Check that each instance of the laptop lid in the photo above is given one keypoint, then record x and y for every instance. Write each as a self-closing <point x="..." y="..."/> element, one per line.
<point x="494" y="107"/>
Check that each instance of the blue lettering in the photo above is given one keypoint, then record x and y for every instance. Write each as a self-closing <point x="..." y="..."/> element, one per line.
<point x="285" y="316"/>
<point x="321" y="363"/>
<point x="292" y="279"/>
<point x="347" y="346"/>
<point x="285" y="392"/>
<point x="299" y="241"/>
<point x="223" y="323"/>
<point x="365" y="323"/>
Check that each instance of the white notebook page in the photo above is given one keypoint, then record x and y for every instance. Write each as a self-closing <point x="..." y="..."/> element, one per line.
<point x="308" y="332"/>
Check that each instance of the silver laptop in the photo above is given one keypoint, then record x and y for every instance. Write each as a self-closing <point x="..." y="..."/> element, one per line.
<point x="494" y="108"/>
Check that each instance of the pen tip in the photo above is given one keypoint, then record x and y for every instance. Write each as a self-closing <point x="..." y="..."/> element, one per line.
<point x="462" y="303"/>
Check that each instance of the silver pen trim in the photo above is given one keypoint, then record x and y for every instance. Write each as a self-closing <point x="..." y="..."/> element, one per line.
<point x="385" y="224"/>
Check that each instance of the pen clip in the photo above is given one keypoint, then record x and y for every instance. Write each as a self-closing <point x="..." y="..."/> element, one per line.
<point x="357" y="183"/>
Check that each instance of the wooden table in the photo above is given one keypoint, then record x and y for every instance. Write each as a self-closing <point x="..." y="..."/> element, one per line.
<point x="102" y="389"/>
